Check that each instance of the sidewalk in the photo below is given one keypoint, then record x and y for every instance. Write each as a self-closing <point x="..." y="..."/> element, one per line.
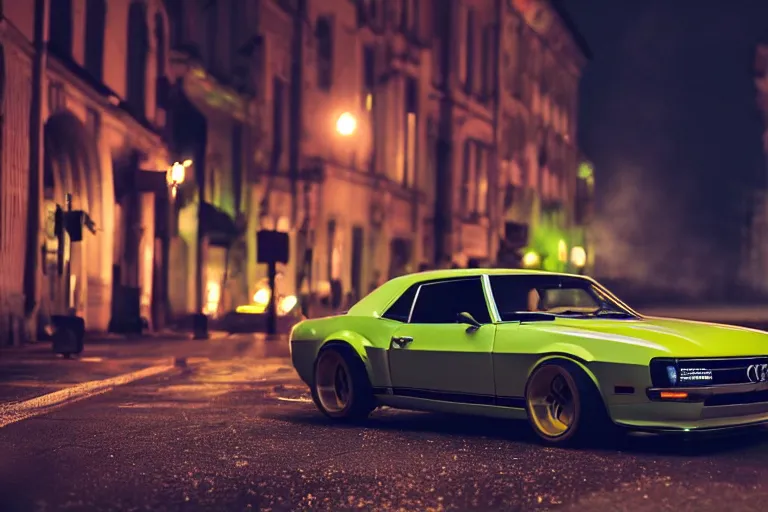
<point x="33" y="370"/>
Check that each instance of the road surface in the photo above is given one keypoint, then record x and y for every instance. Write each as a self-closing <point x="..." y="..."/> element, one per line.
<point x="241" y="434"/>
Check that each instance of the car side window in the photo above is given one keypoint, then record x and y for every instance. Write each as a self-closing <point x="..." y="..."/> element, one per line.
<point x="440" y="303"/>
<point x="400" y="310"/>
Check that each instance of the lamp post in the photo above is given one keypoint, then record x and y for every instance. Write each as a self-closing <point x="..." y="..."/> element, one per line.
<point x="174" y="177"/>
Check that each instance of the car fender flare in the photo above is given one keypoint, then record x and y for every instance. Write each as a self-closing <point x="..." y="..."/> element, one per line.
<point x="574" y="358"/>
<point x="357" y="342"/>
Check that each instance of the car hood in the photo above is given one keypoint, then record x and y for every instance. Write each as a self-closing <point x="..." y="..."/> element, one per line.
<point x="662" y="336"/>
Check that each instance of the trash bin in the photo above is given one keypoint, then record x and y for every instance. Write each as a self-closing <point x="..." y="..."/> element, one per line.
<point x="200" y="326"/>
<point x="68" y="334"/>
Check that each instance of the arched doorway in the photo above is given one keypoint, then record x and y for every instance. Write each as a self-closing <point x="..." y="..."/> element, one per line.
<point x="71" y="167"/>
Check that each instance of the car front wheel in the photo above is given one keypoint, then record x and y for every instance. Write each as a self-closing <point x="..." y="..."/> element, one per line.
<point x="564" y="406"/>
<point x="341" y="389"/>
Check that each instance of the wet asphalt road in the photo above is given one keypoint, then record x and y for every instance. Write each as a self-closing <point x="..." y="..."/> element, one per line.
<point x="240" y="435"/>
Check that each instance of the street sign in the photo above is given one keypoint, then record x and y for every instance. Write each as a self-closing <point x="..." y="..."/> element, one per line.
<point x="272" y="246"/>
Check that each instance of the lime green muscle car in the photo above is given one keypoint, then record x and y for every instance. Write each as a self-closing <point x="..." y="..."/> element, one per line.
<point x="557" y="349"/>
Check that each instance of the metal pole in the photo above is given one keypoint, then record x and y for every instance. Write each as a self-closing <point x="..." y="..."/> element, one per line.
<point x="297" y="83"/>
<point x="68" y="270"/>
<point x="294" y="141"/>
<point x="272" y="305"/>
<point x="33" y="257"/>
<point x="170" y="233"/>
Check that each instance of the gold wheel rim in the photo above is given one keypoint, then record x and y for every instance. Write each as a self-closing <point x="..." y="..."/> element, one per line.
<point x="551" y="401"/>
<point x="332" y="382"/>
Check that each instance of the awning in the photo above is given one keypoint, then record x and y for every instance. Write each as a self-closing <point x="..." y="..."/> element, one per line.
<point x="218" y="226"/>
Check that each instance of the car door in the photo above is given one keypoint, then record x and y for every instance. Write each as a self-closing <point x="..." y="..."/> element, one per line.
<point x="434" y="356"/>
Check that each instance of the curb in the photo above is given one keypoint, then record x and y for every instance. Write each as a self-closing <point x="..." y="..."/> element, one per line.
<point x="16" y="412"/>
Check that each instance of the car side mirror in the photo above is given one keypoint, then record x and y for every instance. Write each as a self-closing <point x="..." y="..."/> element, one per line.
<point x="468" y="319"/>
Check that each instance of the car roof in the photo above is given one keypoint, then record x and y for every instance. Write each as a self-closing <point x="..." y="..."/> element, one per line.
<point x="379" y="299"/>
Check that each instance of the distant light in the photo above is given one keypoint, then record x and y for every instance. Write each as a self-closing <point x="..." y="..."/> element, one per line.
<point x="213" y="296"/>
<point x="369" y="102"/>
<point x="578" y="256"/>
<point x="287" y="304"/>
<point x="262" y="296"/>
<point x="562" y="251"/>
<point x="586" y="171"/>
<point x="346" y="124"/>
<point x="251" y="309"/>
<point x="531" y="259"/>
<point x="176" y="174"/>
<point x="283" y="225"/>
<point x="187" y="163"/>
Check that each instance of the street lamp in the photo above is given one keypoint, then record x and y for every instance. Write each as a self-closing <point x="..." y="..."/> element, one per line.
<point x="346" y="124"/>
<point x="175" y="175"/>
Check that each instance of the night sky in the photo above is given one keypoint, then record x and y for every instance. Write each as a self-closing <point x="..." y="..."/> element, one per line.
<point x="669" y="117"/>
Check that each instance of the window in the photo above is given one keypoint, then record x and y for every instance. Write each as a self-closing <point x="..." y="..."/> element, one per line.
<point x="410" y="17"/>
<point x="237" y="165"/>
<point x="475" y="178"/>
<point x="324" y="34"/>
<point x="523" y="64"/>
<point x="558" y="295"/>
<point x="409" y="162"/>
<point x="489" y="62"/>
<point x="60" y="27"/>
<point x="440" y="303"/>
<point x="431" y="167"/>
<point x="468" y="178"/>
<point x="369" y="101"/>
<point x="331" y="241"/>
<point x="400" y="310"/>
<point x="95" y="16"/>
<point x="278" y="119"/>
<point x="470" y="60"/>
<point x="138" y="47"/>
<point x="439" y="47"/>
<point x="481" y="175"/>
<point x="211" y="15"/>
<point x="177" y="21"/>
<point x="160" y="46"/>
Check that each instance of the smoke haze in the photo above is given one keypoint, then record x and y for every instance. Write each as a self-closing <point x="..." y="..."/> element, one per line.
<point x="669" y="117"/>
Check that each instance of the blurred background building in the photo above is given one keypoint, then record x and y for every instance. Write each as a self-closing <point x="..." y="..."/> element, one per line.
<point x="754" y="270"/>
<point x="81" y="120"/>
<point x="384" y="136"/>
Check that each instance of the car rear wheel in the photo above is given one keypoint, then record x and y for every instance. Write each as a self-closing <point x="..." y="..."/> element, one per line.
<point x="564" y="406"/>
<point x="341" y="389"/>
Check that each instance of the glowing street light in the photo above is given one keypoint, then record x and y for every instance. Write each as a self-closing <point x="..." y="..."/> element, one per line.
<point x="175" y="175"/>
<point x="346" y="124"/>
<point x="531" y="259"/>
<point x="579" y="256"/>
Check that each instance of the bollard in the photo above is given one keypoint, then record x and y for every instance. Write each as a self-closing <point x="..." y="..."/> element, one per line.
<point x="200" y="326"/>
<point x="68" y="335"/>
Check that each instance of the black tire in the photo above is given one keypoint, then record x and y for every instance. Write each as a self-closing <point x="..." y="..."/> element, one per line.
<point x="591" y="424"/>
<point x="359" y="402"/>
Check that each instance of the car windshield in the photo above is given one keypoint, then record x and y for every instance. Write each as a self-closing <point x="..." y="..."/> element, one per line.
<point x="566" y="296"/>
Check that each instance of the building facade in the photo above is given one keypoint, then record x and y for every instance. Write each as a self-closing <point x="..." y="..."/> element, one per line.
<point x="384" y="136"/>
<point x="99" y="151"/>
<point x="540" y="63"/>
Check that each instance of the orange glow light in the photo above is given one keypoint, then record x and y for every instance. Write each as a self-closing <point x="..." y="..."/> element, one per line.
<point x="346" y="124"/>
<point x="674" y="395"/>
